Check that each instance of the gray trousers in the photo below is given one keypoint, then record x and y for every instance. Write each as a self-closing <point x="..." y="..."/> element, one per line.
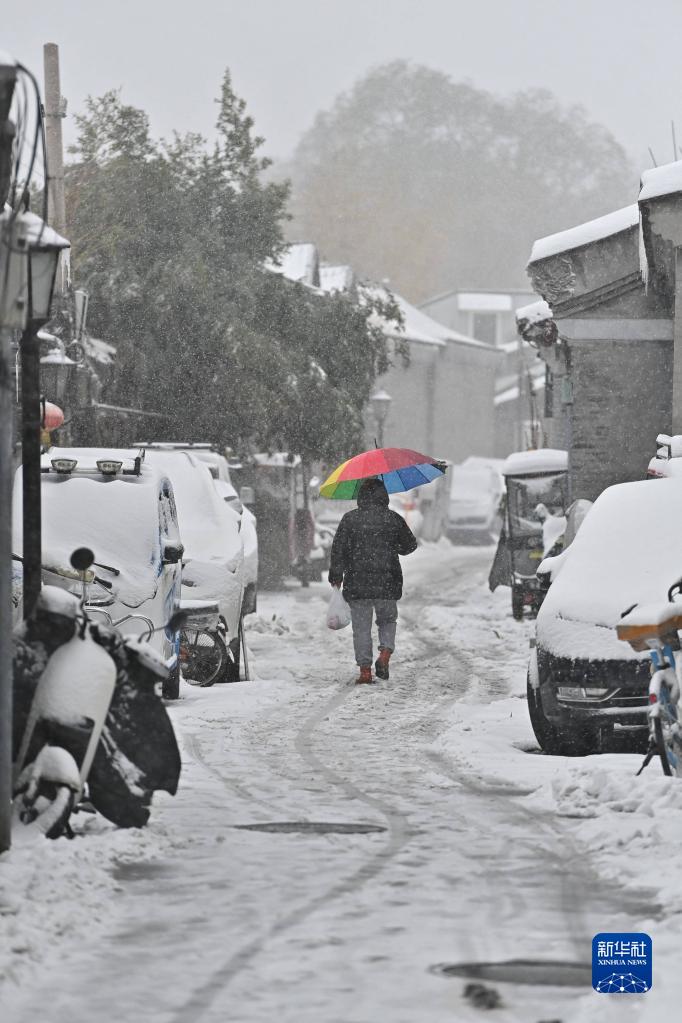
<point x="361" y="613"/>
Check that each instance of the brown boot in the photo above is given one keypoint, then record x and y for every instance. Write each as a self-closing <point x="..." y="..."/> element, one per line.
<point x="365" y="676"/>
<point x="381" y="663"/>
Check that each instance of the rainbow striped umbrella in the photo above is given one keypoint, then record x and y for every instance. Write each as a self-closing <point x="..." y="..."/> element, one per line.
<point x="399" y="468"/>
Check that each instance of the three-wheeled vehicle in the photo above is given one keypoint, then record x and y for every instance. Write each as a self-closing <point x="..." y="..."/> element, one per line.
<point x="534" y="507"/>
<point x="279" y="489"/>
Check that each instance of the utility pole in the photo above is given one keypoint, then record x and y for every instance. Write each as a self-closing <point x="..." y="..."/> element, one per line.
<point x="55" y="112"/>
<point x="8" y="75"/>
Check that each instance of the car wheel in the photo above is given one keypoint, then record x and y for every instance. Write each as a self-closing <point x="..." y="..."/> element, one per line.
<point x="170" y="688"/>
<point x="231" y="667"/>
<point x="543" y="729"/>
<point x="564" y="741"/>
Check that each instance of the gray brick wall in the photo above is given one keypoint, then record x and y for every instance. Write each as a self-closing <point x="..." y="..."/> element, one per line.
<point x="622" y="397"/>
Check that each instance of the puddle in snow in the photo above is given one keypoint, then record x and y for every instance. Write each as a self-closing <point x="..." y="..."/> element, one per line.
<point x="312" y="828"/>
<point x="522" y="971"/>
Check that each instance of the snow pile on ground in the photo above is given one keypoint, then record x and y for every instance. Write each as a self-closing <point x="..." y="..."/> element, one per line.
<point x="57" y="893"/>
<point x="273" y="625"/>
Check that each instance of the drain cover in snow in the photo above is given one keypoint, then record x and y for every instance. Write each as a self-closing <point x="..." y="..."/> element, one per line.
<point x="312" y="828"/>
<point x="522" y="971"/>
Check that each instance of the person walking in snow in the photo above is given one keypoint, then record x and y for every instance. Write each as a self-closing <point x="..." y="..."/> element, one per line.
<point x="364" y="558"/>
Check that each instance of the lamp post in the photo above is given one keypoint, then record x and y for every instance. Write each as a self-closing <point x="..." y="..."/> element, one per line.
<point x="8" y="278"/>
<point x="381" y="403"/>
<point x="43" y="246"/>
<point x="55" y="372"/>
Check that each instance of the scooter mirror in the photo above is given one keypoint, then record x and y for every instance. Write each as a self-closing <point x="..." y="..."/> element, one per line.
<point x="82" y="558"/>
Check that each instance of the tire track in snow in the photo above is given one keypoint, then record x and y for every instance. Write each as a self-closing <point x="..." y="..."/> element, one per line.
<point x="204" y="996"/>
<point x="192" y="746"/>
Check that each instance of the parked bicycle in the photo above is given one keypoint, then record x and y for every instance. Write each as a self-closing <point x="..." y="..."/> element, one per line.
<point x="656" y="629"/>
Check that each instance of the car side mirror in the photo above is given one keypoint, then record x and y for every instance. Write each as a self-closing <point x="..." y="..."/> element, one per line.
<point x="172" y="553"/>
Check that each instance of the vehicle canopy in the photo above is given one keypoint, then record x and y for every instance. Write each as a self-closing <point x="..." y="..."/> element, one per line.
<point x="117" y="516"/>
<point x="535" y="463"/>
<point x="627" y="551"/>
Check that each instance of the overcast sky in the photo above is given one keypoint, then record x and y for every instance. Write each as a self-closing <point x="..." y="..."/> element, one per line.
<point x="621" y="59"/>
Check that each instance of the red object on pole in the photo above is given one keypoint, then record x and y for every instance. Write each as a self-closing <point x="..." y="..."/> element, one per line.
<point x="53" y="417"/>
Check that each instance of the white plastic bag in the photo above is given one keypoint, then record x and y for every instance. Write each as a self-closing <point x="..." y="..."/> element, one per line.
<point x="338" y="612"/>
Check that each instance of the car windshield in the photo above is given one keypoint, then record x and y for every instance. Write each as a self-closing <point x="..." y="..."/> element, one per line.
<point x="525" y="493"/>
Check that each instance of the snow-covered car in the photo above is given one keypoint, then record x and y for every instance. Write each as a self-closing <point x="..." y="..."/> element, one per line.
<point x="220" y="471"/>
<point x="474" y="512"/>
<point x="114" y="502"/>
<point x="213" y="562"/>
<point x="583" y="682"/>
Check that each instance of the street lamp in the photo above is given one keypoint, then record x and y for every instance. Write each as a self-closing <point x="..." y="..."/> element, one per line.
<point x="381" y="403"/>
<point x="42" y="246"/>
<point x="55" y="372"/>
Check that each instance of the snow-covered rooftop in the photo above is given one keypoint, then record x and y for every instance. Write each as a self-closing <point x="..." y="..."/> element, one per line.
<point x="420" y="328"/>
<point x="299" y="262"/>
<point x="484" y="301"/>
<point x="664" y="180"/>
<point x="585" y="234"/>
<point x="336" y="278"/>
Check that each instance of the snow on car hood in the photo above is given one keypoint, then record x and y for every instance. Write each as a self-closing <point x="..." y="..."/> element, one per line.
<point x="117" y="518"/>
<point x="628" y="551"/>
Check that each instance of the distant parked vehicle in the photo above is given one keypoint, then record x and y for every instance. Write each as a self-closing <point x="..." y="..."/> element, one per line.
<point x="535" y="503"/>
<point x="122" y="507"/>
<point x="583" y="682"/>
<point x="213" y="563"/>
<point x="474" y="510"/>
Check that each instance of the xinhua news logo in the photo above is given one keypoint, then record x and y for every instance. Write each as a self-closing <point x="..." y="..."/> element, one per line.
<point x="621" y="963"/>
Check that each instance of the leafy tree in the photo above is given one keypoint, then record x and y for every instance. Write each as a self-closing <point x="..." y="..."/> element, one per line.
<point x="437" y="184"/>
<point x="171" y="239"/>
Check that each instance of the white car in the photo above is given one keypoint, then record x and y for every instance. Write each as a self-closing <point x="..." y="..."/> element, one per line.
<point x="213" y="562"/>
<point x="473" y="515"/>
<point x="220" y="471"/>
<point x="123" y="509"/>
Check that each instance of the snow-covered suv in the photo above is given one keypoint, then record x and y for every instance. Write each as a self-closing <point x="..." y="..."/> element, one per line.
<point x="583" y="682"/>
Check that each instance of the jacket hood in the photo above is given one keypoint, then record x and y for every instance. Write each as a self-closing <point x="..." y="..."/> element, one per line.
<point x="372" y="492"/>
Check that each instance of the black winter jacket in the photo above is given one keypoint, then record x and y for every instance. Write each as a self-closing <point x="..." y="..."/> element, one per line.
<point x="365" y="551"/>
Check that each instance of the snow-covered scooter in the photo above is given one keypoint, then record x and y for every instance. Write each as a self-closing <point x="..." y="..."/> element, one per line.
<point x="87" y="710"/>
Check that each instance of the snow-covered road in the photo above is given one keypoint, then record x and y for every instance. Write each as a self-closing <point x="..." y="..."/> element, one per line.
<point x="476" y="849"/>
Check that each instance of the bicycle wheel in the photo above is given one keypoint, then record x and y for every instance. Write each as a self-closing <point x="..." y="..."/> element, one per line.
<point x="203" y="656"/>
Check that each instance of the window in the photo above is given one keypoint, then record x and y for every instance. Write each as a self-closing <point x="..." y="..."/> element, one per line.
<point x="484" y="327"/>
